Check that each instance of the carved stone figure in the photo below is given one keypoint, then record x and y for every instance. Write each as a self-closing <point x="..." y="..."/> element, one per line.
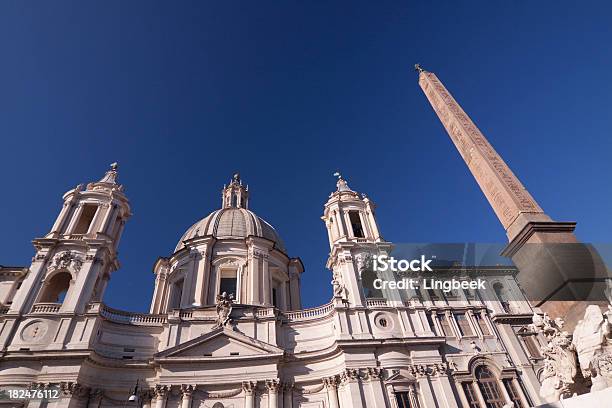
<point x="592" y="339"/>
<point x="224" y="310"/>
<point x="339" y="290"/>
<point x="561" y="377"/>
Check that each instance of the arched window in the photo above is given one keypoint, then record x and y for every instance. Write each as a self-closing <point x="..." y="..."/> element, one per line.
<point x="489" y="387"/>
<point x="56" y="288"/>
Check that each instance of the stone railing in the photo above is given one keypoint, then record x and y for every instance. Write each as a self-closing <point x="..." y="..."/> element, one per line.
<point x="46" y="307"/>
<point x="376" y="303"/>
<point x="267" y="312"/>
<point x="308" y="314"/>
<point x="185" y="314"/>
<point x="141" y="319"/>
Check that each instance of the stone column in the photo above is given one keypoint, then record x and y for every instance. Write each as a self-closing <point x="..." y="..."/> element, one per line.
<point x="284" y="305"/>
<point x="200" y="269"/>
<point x="75" y="217"/>
<point x="391" y="396"/>
<point x="331" y="384"/>
<point x="427" y="392"/>
<point x="350" y="379"/>
<point x="187" y="391"/>
<point x="519" y="390"/>
<point x="267" y="281"/>
<point x="412" y="395"/>
<point x="504" y="391"/>
<point x="254" y="276"/>
<point x="288" y="395"/>
<point x="145" y="398"/>
<point x="57" y="226"/>
<point x="161" y="392"/>
<point x="478" y="393"/>
<point x="249" y="388"/>
<point x="373" y="377"/>
<point x="272" y="386"/>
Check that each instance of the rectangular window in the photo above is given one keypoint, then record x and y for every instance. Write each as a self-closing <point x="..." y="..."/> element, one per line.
<point x="464" y="324"/>
<point x="274" y="298"/>
<point x="228" y="285"/>
<point x="87" y="214"/>
<point x="446" y="327"/>
<point x="482" y="324"/>
<point x="403" y="400"/>
<point x="356" y="224"/>
<point x="470" y="395"/>
<point x="513" y="393"/>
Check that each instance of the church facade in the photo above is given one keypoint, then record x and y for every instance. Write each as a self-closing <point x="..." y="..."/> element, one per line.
<point x="226" y="326"/>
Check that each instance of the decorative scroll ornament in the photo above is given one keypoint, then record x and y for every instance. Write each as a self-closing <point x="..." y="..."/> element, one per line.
<point x="561" y="377"/>
<point x="67" y="260"/>
<point x="435" y="369"/>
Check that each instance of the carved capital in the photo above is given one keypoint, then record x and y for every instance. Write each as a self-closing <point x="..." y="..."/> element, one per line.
<point x="331" y="382"/>
<point x="187" y="390"/>
<point x="272" y="385"/>
<point x="350" y="374"/>
<point x="161" y="390"/>
<point x="373" y="373"/>
<point x="249" y="387"/>
<point x="70" y="388"/>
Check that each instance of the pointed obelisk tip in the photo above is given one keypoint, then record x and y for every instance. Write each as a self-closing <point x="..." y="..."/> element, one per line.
<point x="418" y="68"/>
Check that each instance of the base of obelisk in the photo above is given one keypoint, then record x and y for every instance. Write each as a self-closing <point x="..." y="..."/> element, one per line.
<point x="597" y="399"/>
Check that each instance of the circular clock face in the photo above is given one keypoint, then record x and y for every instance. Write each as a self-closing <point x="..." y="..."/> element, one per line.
<point x="34" y="331"/>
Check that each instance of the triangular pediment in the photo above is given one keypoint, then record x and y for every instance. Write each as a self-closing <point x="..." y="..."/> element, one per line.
<point x="400" y="376"/>
<point x="221" y="343"/>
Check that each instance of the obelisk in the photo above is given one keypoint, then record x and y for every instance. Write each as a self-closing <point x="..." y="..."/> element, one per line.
<point x="546" y="252"/>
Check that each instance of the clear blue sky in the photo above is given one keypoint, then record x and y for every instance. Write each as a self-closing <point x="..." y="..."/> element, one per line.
<point x="183" y="94"/>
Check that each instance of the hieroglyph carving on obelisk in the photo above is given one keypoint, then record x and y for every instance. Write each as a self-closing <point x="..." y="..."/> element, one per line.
<point x="505" y="193"/>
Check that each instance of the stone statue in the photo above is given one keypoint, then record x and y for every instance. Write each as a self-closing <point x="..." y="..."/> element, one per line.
<point x="339" y="289"/>
<point x="561" y="377"/>
<point x="592" y="339"/>
<point x="224" y="310"/>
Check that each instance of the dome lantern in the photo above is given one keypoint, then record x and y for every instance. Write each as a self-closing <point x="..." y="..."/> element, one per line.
<point x="235" y="195"/>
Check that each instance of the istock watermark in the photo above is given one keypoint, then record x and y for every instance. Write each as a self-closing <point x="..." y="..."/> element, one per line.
<point x="383" y="263"/>
<point x="445" y="285"/>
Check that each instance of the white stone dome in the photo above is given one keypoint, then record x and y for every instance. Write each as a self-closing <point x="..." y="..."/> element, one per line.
<point x="232" y="223"/>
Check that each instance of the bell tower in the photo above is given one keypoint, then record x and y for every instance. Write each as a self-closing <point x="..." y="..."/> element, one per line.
<point x="349" y="217"/>
<point x="73" y="262"/>
<point x="354" y="238"/>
